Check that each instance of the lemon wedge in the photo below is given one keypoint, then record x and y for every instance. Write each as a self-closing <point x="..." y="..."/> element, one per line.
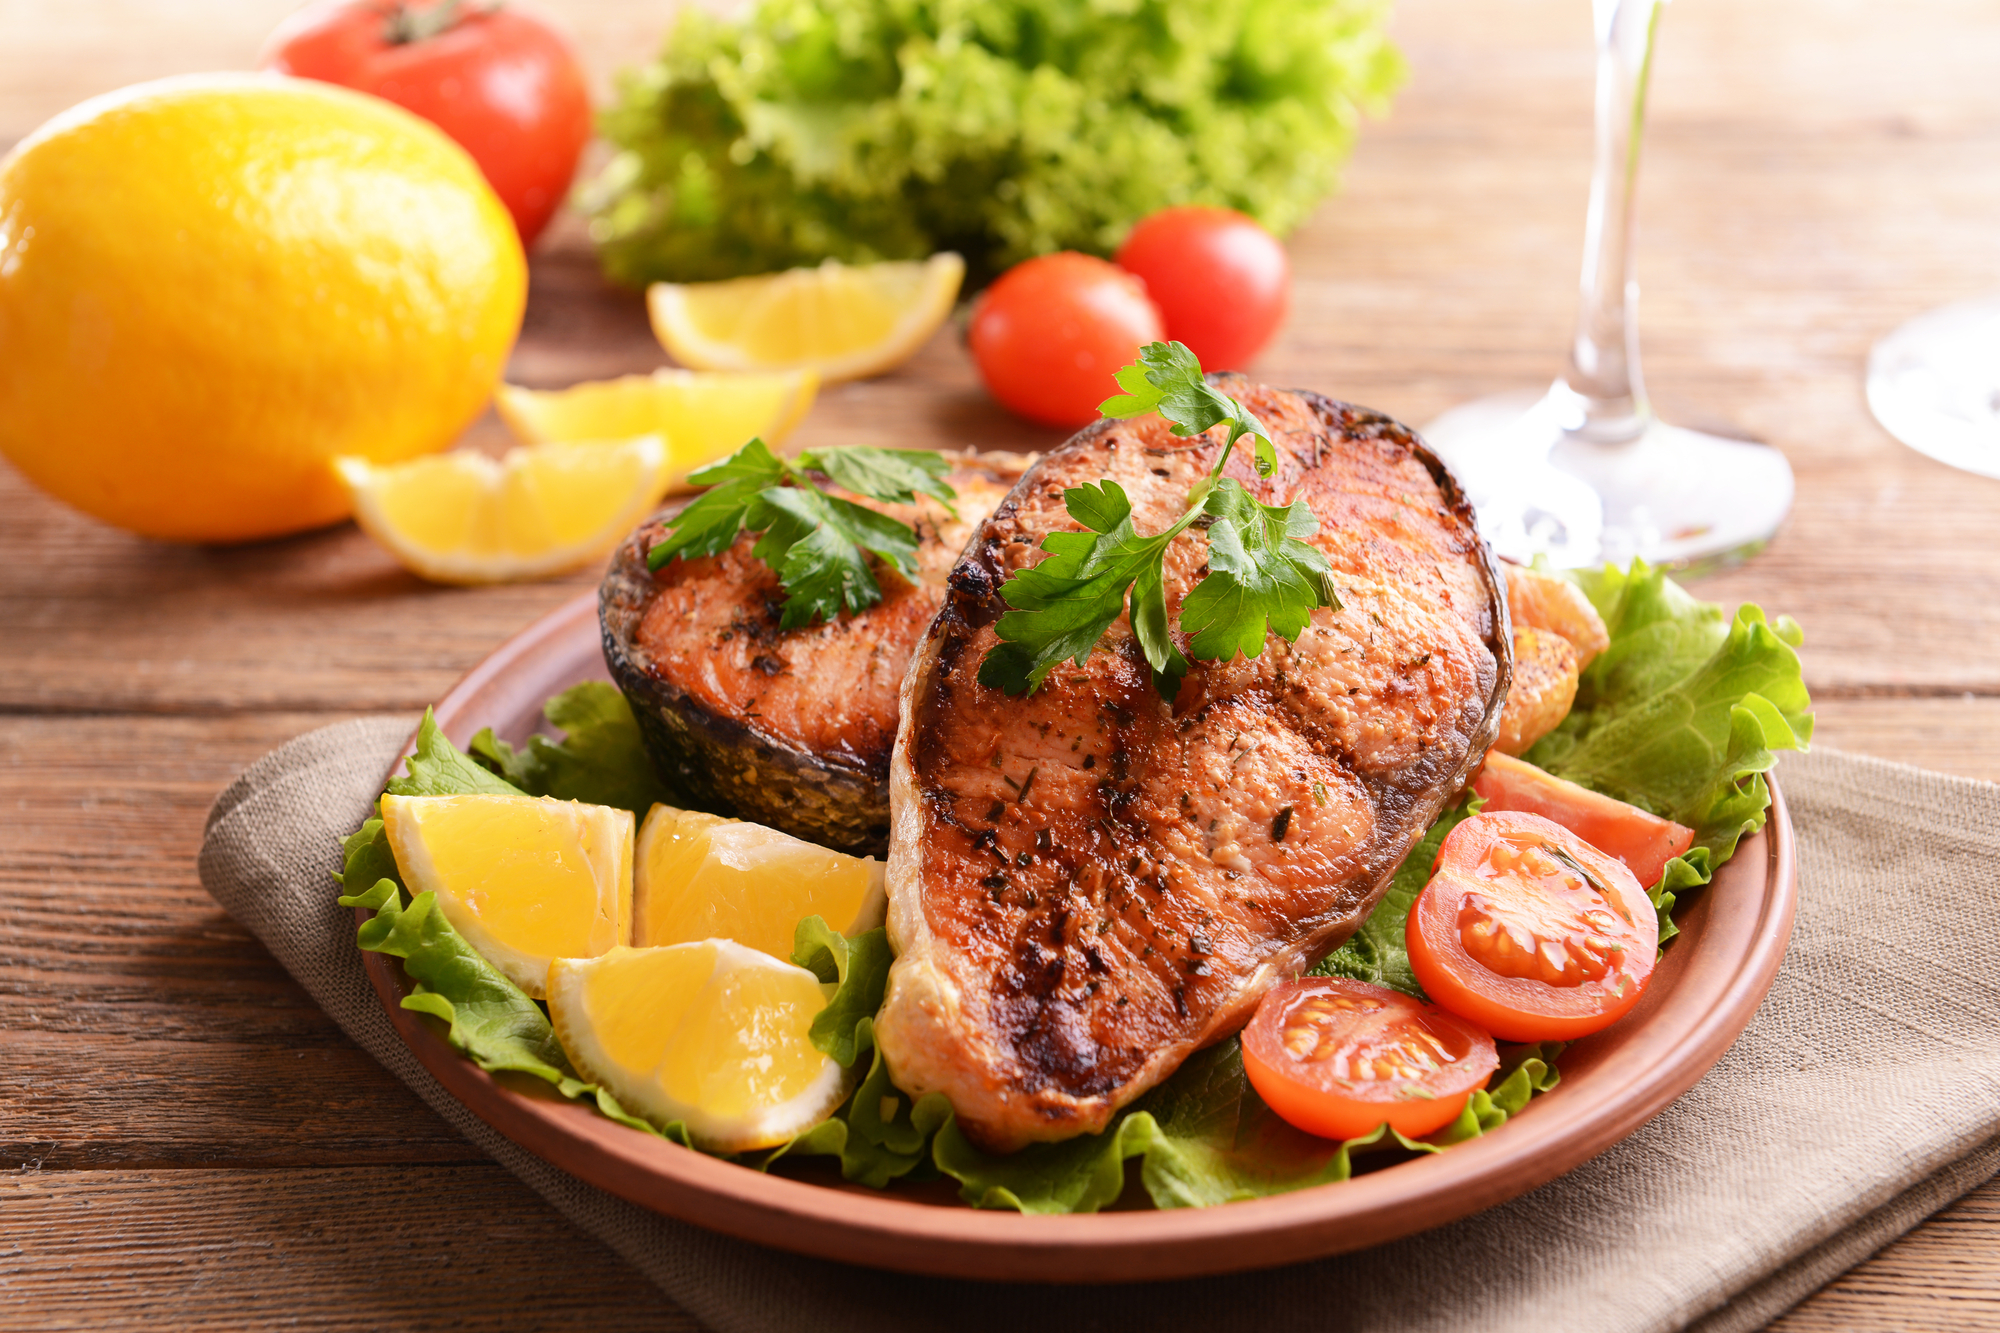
<point x="463" y="517"/>
<point x="704" y="877"/>
<point x="701" y="415"/>
<point x="711" y="1034"/>
<point x="845" y="322"/>
<point x="524" y="879"/>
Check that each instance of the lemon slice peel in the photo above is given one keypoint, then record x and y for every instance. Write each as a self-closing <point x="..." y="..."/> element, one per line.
<point x="846" y="322"/>
<point x="702" y="415"/>
<point x="700" y="876"/>
<point x="540" y="510"/>
<point x="523" y="879"/>
<point x="709" y="1034"/>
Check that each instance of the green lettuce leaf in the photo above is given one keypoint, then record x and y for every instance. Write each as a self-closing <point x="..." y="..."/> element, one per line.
<point x="1683" y="715"/>
<point x="487" y="1017"/>
<point x="860" y="966"/>
<point x="793" y="131"/>
<point x="439" y="768"/>
<point x="1206" y="1137"/>
<point x="601" y="759"/>
<point x="1376" y="953"/>
<point x="878" y="1134"/>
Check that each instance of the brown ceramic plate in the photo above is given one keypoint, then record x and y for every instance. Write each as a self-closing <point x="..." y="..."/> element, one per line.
<point x="1702" y="995"/>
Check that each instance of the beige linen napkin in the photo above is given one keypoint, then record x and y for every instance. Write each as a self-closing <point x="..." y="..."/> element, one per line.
<point x="1864" y="1096"/>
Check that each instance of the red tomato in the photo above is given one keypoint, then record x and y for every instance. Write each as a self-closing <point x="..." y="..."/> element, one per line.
<point x="1336" y="1058"/>
<point x="1053" y="332"/>
<point x="1644" y="842"/>
<point x="501" y="82"/>
<point x="1531" y="932"/>
<point x="1221" y="281"/>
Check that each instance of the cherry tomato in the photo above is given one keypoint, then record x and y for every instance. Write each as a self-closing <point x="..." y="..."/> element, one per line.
<point x="1336" y="1058"/>
<point x="1644" y="842"/>
<point x="500" y="81"/>
<point x="1531" y="932"/>
<point x="1221" y="281"/>
<point x="1053" y="332"/>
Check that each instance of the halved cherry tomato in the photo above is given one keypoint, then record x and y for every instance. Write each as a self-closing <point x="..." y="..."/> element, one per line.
<point x="1336" y="1058"/>
<point x="1644" y="842"/>
<point x="1531" y="932"/>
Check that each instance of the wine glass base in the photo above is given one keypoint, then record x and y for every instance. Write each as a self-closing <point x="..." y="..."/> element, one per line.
<point x="1934" y="384"/>
<point x="1676" y="497"/>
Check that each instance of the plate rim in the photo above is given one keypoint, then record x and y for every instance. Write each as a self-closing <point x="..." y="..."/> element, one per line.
<point x="882" y="1230"/>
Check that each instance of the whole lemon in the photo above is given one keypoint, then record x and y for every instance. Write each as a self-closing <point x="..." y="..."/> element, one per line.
<point x="211" y="286"/>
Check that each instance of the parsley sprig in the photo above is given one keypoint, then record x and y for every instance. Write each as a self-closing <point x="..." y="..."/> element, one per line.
<point x="1264" y="574"/>
<point x="817" y="543"/>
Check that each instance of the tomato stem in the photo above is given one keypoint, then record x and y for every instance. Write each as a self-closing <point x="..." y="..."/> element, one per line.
<point x="409" y="23"/>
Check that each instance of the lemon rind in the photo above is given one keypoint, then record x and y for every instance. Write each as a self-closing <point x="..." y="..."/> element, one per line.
<point x="871" y="912"/>
<point x="769" y="1127"/>
<point x="666" y="309"/>
<point x="358" y="476"/>
<point x="421" y="875"/>
<point x="527" y="412"/>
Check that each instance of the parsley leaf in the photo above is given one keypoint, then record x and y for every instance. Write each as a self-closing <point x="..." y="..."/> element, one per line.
<point x="1262" y="569"/>
<point x="1150" y="626"/>
<point x="1063" y="605"/>
<point x="815" y="543"/>
<point x="1264" y="575"/>
<point x="709" y="524"/>
<point x="818" y="544"/>
<point x="893" y="476"/>
<point x="1167" y="379"/>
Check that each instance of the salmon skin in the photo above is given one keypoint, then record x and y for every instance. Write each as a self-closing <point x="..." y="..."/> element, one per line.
<point x="1088" y="883"/>
<point x="790" y="728"/>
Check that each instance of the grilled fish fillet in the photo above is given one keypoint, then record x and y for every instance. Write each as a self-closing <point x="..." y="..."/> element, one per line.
<point x="1087" y="884"/>
<point x="791" y="728"/>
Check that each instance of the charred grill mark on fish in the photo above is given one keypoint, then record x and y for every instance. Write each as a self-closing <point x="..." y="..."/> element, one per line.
<point x="791" y="728"/>
<point x="1180" y="858"/>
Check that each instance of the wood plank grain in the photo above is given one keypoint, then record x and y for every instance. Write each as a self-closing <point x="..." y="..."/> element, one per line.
<point x="1953" y="734"/>
<point x="1941" y="1278"/>
<point x="410" y="1248"/>
<point x="1768" y="274"/>
<point x="326" y="622"/>
<point x="139" y="1025"/>
<point x="83" y="1101"/>
<point x="1812" y="177"/>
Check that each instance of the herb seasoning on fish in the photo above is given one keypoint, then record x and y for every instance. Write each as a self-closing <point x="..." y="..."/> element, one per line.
<point x="1268" y="788"/>
<point x="789" y="727"/>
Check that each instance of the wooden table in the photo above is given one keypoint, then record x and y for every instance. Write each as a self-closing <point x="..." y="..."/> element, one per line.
<point x="187" y="1140"/>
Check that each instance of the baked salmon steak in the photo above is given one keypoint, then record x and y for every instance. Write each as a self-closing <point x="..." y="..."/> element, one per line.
<point x="1087" y="883"/>
<point x="790" y="728"/>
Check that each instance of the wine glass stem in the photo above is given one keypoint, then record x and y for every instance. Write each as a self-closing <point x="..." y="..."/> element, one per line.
<point x="1604" y="358"/>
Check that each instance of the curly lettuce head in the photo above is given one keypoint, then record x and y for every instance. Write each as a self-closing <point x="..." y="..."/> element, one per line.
<point x="863" y="130"/>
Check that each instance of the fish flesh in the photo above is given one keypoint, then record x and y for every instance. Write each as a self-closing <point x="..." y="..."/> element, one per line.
<point x="790" y="728"/>
<point x="1088" y="883"/>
